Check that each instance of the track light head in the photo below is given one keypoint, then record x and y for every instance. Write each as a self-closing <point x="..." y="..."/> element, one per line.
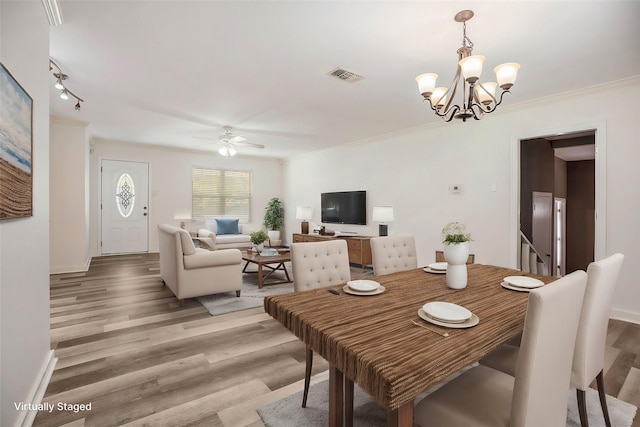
<point x="77" y="107"/>
<point x="64" y="95"/>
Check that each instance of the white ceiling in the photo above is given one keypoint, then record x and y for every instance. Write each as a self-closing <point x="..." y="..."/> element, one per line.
<point x="162" y="72"/>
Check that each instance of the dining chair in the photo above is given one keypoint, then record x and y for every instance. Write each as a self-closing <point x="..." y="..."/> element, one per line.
<point x="588" y="357"/>
<point x="390" y="254"/>
<point x="316" y="265"/>
<point x="440" y="257"/>
<point x="537" y="395"/>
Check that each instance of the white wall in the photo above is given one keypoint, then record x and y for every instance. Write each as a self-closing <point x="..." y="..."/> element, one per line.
<point x="24" y="243"/>
<point x="69" y="194"/>
<point x="170" y="182"/>
<point x="412" y="171"/>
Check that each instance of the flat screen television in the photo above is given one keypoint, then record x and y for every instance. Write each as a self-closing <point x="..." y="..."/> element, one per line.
<point x="344" y="207"/>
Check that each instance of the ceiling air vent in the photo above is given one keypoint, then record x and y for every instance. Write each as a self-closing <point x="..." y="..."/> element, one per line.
<point x="346" y="75"/>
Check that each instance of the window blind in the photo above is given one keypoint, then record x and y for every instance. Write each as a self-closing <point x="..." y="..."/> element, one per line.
<point x="220" y="193"/>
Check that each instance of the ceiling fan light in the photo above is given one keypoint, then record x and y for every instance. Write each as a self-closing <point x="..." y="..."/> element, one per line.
<point x="439" y="97"/>
<point x="471" y="67"/>
<point x="488" y="94"/>
<point x="64" y="94"/>
<point x="426" y="83"/>
<point x="506" y="74"/>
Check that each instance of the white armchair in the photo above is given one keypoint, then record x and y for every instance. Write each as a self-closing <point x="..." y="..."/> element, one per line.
<point x="191" y="272"/>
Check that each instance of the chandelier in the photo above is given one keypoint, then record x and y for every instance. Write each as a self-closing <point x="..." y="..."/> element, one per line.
<point x="477" y="98"/>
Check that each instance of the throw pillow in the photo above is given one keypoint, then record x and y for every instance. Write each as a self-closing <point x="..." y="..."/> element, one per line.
<point x="227" y="226"/>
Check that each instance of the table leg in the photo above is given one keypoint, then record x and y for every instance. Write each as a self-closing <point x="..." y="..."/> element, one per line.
<point x="348" y="402"/>
<point x="259" y="276"/>
<point x="401" y="417"/>
<point x="335" y="396"/>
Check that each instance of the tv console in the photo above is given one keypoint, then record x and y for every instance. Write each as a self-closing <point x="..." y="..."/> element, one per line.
<point x="359" y="247"/>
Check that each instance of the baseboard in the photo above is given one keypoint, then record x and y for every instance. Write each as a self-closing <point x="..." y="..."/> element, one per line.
<point x="25" y="419"/>
<point x="72" y="268"/>
<point x="626" y="316"/>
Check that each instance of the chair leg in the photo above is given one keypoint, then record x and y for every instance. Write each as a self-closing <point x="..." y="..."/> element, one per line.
<point x="603" y="398"/>
<point x="582" y="408"/>
<point x="238" y="294"/>
<point x="307" y="376"/>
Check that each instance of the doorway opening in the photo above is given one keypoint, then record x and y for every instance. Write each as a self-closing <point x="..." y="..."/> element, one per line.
<point x="557" y="197"/>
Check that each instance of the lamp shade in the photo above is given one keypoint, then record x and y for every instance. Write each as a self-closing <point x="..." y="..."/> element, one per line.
<point x="382" y="213"/>
<point x="439" y="97"/>
<point x="506" y="74"/>
<point x="426" y="83"/>
<point x="472" y="67"/>
<point x="487" y="94"/>
<point x="303" y="212"/>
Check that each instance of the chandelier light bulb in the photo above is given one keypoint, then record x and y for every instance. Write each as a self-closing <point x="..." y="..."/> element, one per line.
<point x="472" y="67"/>
<point x="64" y="95"/>
<point x="426" y="83"/>
<point x="506" y="74"/>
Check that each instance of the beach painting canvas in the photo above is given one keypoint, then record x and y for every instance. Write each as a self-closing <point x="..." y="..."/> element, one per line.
<point x="16" y="143"/>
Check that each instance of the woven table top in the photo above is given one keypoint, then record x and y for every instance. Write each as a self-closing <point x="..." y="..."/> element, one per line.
<point x="372" y="340"/>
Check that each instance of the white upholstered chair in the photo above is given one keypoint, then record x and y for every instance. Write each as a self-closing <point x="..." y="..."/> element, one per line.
<point x="537" y="395"/>
<point x="588" y="357"/>
<point x="393" y="253"/>
<point x="192" y="272"/>
<point x="316" y="265"/>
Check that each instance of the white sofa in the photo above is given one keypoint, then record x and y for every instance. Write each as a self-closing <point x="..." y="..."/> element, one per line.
<point x="191" y="272"/>
<point x="209" y="235"/>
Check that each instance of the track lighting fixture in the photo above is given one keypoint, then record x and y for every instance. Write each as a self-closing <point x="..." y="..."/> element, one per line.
<point x="60" y="78"/>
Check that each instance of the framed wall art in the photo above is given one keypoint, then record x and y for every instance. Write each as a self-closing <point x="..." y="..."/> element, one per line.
<point x="16" y="148"/>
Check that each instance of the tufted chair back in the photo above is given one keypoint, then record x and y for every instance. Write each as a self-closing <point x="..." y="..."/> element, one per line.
<point x="319" y="264"/>
<point x="393" y="253"/>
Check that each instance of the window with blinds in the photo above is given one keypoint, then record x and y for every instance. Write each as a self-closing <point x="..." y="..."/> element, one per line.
<point x="220" y="193"/>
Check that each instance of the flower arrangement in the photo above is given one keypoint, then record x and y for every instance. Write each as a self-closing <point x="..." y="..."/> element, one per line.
<point x="259" y="237"/>
<point x="454" y="232"/>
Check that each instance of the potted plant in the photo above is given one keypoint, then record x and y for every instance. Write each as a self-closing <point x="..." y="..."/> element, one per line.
<point x="456" y="251"/>
<point x="258" y="238"/>
<point x="274" y="219"/>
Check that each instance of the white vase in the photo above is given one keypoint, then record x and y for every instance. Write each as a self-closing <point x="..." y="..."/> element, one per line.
<point x="456" y="255"/>
<point x="259" y="247"/>
<point x="274" y="238"/>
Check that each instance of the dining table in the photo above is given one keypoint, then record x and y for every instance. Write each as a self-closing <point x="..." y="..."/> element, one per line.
<point x="379" y="341"/>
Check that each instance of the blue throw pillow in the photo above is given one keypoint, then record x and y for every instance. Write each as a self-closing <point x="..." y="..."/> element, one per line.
<point x="227" y="226"/>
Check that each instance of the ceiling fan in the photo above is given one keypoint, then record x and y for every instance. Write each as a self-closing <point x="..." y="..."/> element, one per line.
<point x="228" y="143"/>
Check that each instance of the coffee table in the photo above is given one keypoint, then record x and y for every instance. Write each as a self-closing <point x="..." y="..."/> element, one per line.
<point x="267" y="261"/>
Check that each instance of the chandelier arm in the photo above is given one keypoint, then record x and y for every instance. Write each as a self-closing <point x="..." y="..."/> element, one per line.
<point x="501" y="96"/>
<point x="452" y="91"/>
<point x="451" y="114"/>
<point x="477" y="115"/>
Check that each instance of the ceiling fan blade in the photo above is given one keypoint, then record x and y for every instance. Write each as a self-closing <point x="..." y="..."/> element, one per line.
<point x="248" y="144"/>
<point x="236" y="139"/>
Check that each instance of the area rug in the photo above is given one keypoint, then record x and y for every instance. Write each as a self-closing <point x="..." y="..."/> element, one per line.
<point x="287" y="412"/>
<point x="250" y="297"/>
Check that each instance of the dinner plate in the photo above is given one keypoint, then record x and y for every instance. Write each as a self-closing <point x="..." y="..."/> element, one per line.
<point x="515" y="288"/>
<point x="524" y="282"/>
<point x="441" y="266"/>
<point x="363" y="285"/>
<point x="472" y="321"/>
<point x="428" y="270"/>
<point x="446" y="312"/>
<point x="348" y="290"/>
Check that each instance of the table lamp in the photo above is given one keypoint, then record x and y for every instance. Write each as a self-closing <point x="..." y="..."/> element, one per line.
<point x="382" y="214"/>
<point x="303" y="213"/>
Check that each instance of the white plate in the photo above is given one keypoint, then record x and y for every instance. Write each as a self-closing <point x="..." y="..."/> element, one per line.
<point x="428" y="270"/>
<point x="515" y="288"/>
<point x="348" y="290"/>
<point x="363" y="285"/>
<point x="524" y="282"/>
<point x="442" y="266"/>
<point x="446" y="312"/>
<point x="472" y="321"/>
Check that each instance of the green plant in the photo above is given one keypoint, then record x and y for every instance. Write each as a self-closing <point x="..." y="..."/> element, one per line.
<point x="259" y="237"/>
<point x="274" y="215"/>
<point x="454" y="232"/>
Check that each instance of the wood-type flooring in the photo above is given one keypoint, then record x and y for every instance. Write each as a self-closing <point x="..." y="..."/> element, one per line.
<point x="125" y="346"/>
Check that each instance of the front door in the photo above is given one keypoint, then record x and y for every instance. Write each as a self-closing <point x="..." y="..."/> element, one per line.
<point x="124" y="207"/>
